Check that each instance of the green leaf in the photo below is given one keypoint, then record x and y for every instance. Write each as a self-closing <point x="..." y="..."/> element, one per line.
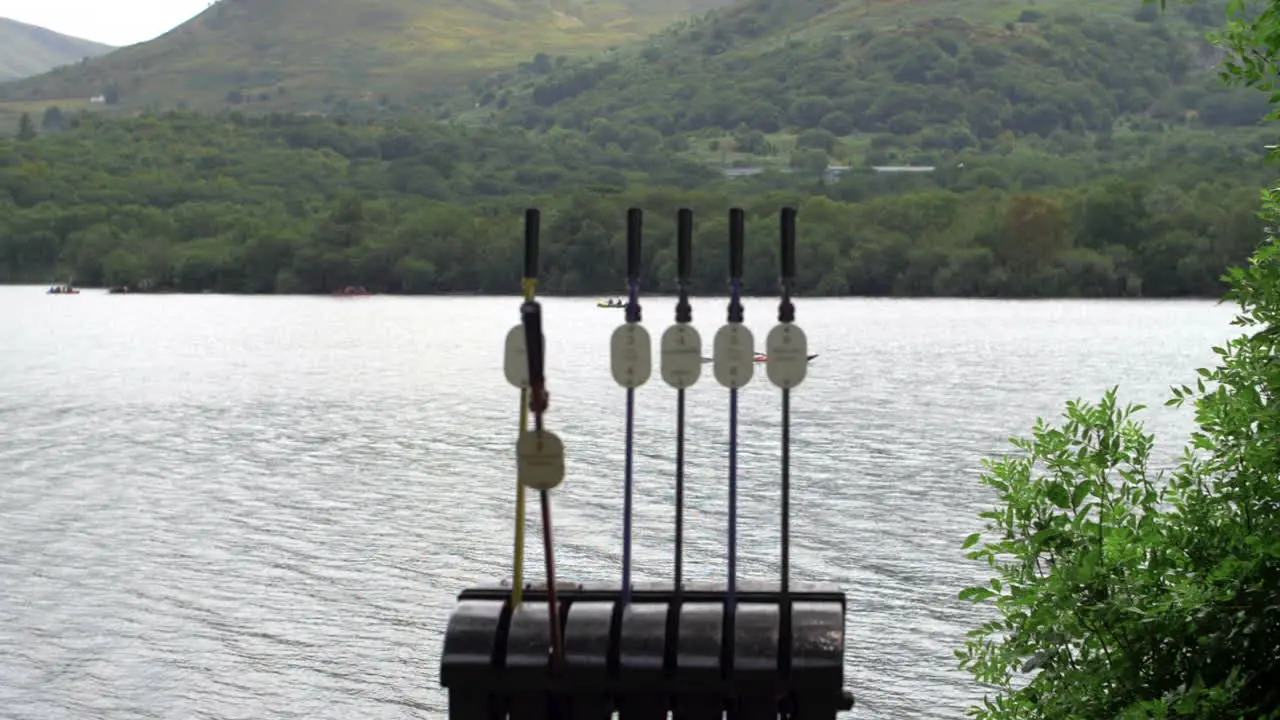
<point x="1081" y="492"/>
<point x="971" y="541"/>
<point x="976" y="594"/>
<point x="1058" y="495"/>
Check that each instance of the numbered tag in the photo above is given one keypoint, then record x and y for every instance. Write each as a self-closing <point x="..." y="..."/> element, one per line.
<point x="788" y="351"/>
<point x="734" y="355"/>
<point x="539" y="460"/>
<point x="631" y="355"/>
<point x="681" y="356"/>
<point x="515" y="358"/>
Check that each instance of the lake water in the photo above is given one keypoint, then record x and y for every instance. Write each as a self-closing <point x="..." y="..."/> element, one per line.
<point x="263" y="507"/>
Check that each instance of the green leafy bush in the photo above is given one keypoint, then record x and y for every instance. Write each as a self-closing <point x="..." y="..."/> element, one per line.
<point x="1127" y="593"/>
<point x="1123" y="592"/>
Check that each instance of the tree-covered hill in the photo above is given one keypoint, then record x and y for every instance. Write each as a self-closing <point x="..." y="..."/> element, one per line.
<point x="283" y="203"/>
<point x="313" y="54"/>
<point x="922" y="75"/>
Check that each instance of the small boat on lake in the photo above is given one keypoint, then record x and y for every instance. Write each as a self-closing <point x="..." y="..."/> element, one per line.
<point x="612" y="303"/>
<point x="62" y="290"/>
<point x="352" y="291"/>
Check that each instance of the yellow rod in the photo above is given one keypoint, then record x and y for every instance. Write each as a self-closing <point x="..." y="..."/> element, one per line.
<point x="517" y="575"/>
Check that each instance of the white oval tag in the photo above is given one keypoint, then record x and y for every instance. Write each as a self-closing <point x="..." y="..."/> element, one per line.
<point x="788" y="351"/>
<point x="515" y="358"/>
<point x="734" y="355"/>
<point x="539" y="460"/>
<point x="631" y="355"/>
<point x="681" y="350"/>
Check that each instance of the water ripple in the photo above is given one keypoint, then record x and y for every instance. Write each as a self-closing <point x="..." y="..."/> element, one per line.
<point x="222" y="507"/>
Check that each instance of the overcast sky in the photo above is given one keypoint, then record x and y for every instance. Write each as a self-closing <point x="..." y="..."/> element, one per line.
<point x="114" y="22"/>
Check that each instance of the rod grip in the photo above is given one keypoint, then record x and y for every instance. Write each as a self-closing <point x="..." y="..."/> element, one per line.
<point x="788" y="222"/>
<point x="737" y="240"/>
<point x="532" y="220"/>
<point x="634" y="222"/>
<point x="531" y="317"/>
<point x="684" y="244"/>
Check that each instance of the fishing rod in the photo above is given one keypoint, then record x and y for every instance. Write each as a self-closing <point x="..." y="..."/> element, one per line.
<point x="681" y="366"/>
<point x="516" y="369"/>
<point x="788" y="363"/>
<point x="631" y="360"/>
<point x="734" y="354"/>
<point x="540" y="461"/>
<point x="539" y="452"/>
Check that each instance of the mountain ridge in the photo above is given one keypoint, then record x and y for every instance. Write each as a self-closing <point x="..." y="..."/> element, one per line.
<point x="27" y="50"/>
<point x="884" y="82"/>
<point x="290" y="54"/>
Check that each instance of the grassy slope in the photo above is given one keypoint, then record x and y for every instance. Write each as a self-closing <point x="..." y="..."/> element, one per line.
<point x="774" y="52"/>
<point x="811" y="19"/>
<point x="11" y="112"/>
<point x="750" y="29"/>
<point x="295" y="53"/>
<point x="885" y="14"/>
<point x="27" y="50"/>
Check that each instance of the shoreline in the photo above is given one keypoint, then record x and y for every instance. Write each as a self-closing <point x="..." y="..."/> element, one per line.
<point x="92" y="289"/>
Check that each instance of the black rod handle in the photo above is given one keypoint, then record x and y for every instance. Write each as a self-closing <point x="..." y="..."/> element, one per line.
<point x="634" y="222"/>
<point x="531" y="316"/>
<point x="532" y="220"/>
<point x="684" y="244"/>
<point x="737" y="241"/>
<point x="788" y="243"/>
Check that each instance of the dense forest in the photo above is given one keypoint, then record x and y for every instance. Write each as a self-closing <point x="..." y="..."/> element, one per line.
<point x="286" y="203"/>
<point x="947" y="82"/>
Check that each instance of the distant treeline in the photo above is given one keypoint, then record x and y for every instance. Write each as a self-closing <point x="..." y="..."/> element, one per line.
<point x="293" y="204"/>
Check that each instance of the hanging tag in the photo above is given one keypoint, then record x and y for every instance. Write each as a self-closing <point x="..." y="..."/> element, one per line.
<point x="631" y="355"/>
<point x="788" y="351"/>
<point x="539" y="460"/>
<point x="681" y="356"/>
<point x="515" y="358"/>
<point x="734" y="355"/>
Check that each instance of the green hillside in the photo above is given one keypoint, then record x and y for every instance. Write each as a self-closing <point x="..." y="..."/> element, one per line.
<point x="882" y="82"/>
<point x="279" y="203"/>
<point x="315" y="54"/>
<point x="27" y="50"/>
<point x="1082" y="151"/>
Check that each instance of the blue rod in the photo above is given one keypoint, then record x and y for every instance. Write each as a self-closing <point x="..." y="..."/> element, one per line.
<point x="633" y="316"/>
<point x="732" y="495"/>
<point x="626" y="502"/>
<point x="735" y="290"/>
<point x="684" y="314"/>
<point x="737" y="241"/>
